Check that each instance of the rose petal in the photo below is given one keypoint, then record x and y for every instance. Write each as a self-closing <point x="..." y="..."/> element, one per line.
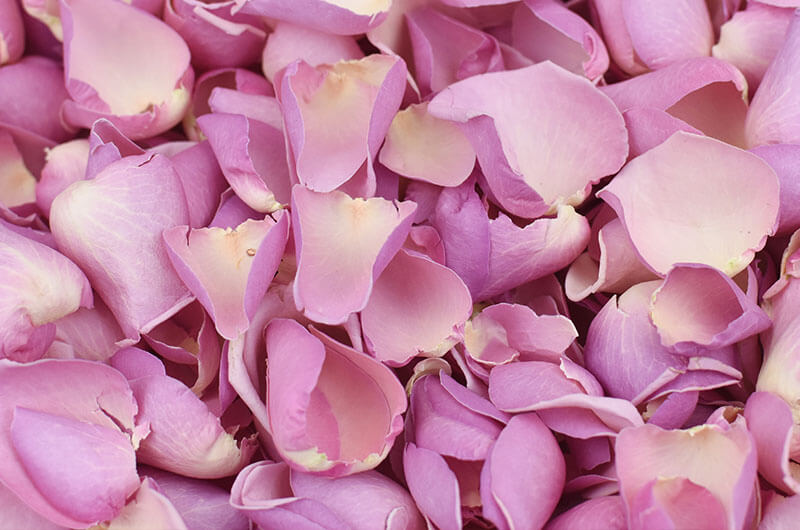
<point x="603" y="513"/>
<point x="433" y="486"/>
<point x="339" y="17"/>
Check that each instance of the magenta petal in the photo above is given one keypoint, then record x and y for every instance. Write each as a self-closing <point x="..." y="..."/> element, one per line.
<point x="139" y="77"/>
<point x="547" y="30"/>
<point x="772" y="118"/>
<point x="328" y="226"/>
<point x="57" y="452"/>
<point x="89" y="396"/>
<point x="332" y="410"/>
<point x="530" y="171"/>
<point x="603" y="513"/>
<point x="112" y="224"/>
<point x="691" y="181"/>
<point x="358" y="99"/>
<point x="769" y="419"/>
<point x="12" y="32"/>
<point x="525" y="463"/>
<point x="433" y="485"/>
<point x="426" y="318"/>
<point x="332" y="16"/>
<point x="229" y="270"/>
<point x="42" y="286"/>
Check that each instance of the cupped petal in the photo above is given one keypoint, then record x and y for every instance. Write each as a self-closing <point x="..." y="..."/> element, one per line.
<point x="426" y="318"/>
<point x="340" y="17"/>
<point x="86" y="398"/>
<point x="289" y="42"/>
<point x="56" y="453"/>
<point x="525" y="463"/>
<point x="332" y="410"/>
<point x="216" y="39"/>
<point x="675" y="502"/>
<point x="602" y="513"/>
<point x="328" y="227"/>
<point x="769" y="419"/>
<point x="545" y="30"/>
<point x="111" y="226"/>
<point x="357" y="99"/>
<point x="532" y="170"/>
<point x="774" y="115"/>
<point x="705" y="93"/>
<point x="40" y="287"/>
<point x="434" y="486"/>
<point x="65" y="164"/>
<point x="690" y="181"/>
<point x="125" y="65"/>
<point x="752" y="38"/>
<point x="422" y="147"/>
<point x="229" y="270"/>
<point x="720" y="460"/>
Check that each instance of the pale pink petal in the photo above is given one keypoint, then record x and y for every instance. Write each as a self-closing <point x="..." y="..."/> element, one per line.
<point x="125" y="65"/>
<point x="781" y="513"/>
<point x="699" y="307"/>
<point x="422" y="147"/>
<point x="12" y="32"/>
<point x="425" y="318"/>
<point x="554" y="241"/>
<point x="769" y="419"/>
<point x="89" y="334"/>
<point x="649" y="127"/>
<point x="357" y="99"/>
<point x="17" y="514"/>
<point x="340" y="17"/>
<point x="675" y="502"/>
<point x="691" y="181"/>
<point x="774" y="115"/>
<point x="434" y="486"/>
<point x="447" y="50"/>
<point x="426" y="240"/>
<point x="40" y="287"/>
<point x="216" y="39"/>
<point x="525" y="463"/>
<point x="547" y="30"/>
<point x="31" y="94"/>
<point x="229" y="270"/>
<point x="328" y="227"/>
<point x="618" y="269"/>
<point x="785" y="160"/>
<point x="85" y="393"/>
<point x="111" y="225"/>
<point x="148" y="508"/>
<point x="65" y="164"/>
<point x="781" y="3"/>
<point x="289" y="42"/>
<point x="752" y="38"/>
<point x="86" y="471"/>
<point x="602" y="513"/>
<point x="532" y="170"/>
<point x="17" y="184"/>
<point x="722" y="460"/>
<point x="185" y="437"/>
<point x="666" y="32"/>
<point x="705" y="93"/>
<point x="608" y="17"/>
<point x="332" y="410"/>
<point x="107" y="144"/>
<point x="362" y="501"/>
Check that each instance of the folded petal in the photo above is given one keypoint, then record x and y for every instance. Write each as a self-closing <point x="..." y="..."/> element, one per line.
<point x="769" y="419"/>
<point x="433" y="485"/>
<point x="339" y="17"/>
<point x="357" y="99"/>
<point x="532" y="170"/>
<point x="422" y="147"/>
<point x="66" y="163"/>
<point x="332" y="410"/>
<point x="525" y="463"/>
<point x="125" y="65"/>
<point x="328" y="226"/>
<point x="149" y="507"/>
<point x="202" y="181"/>
<point x="87" y="399"/>
<point x="425" y="318"/>
<point x="89" y="334"/>
<point x="691" y="181"/>
<point x="774" y="115"/>
<point x="716" y="462"/>
<point x="705" y="93"/>
<point x="111" y="226"/>
<point x="547" y="30"/>
<point x="289" y="42"/>
<point x="185" y="437"/>
<point x="216" y="38"/>
<point x="229" y="270"/>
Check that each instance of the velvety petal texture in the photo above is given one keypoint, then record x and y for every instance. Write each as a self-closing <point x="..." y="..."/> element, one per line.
<point x="530" y="171"/>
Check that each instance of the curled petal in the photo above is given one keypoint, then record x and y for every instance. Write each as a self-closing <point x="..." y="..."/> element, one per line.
<point x="691" y="181"/>
<point x="529" y="170"/>
<point x="769" y="419"/>
<point x="340" y="17"/>
<point x="328" y="226"/>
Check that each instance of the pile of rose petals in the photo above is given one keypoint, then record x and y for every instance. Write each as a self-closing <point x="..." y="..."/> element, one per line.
<point x="399" y="264"/>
